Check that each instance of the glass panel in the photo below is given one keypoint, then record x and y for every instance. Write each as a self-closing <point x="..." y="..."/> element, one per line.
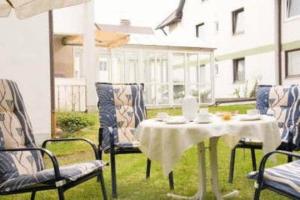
<point x="149" y="94"/>
<point x="203" y="76"/>
<point x="293" y="8"/>
<point x="162" y="68"/>
<point x="149" y="68"/>
<point x="162" y="94"/>
<point x="77" y="63"/>
<point x="200" y="31"/>
<point x="178" y="92"/>
<point x="103" y="72"/>
<point x="178" y="68"/>
<point x="240" y="22"/>
<point x="194" y="89"/>
<point x="241" y="70"/>
<point x="118" y="68"/>
<point x="131" y="67"/>
<point x="205" y="94"/>
<point x="193" y="68"/>
<point x="294" y="63"/>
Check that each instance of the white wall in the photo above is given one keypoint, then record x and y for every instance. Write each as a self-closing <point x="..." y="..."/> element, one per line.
<point x="257" y="38"/>
<point x="25" y="58"/>
<point x="290" y="34"/>
<point x="68" y="20"/>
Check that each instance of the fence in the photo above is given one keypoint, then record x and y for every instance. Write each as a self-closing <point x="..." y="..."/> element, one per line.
<point x="70" y="95"/>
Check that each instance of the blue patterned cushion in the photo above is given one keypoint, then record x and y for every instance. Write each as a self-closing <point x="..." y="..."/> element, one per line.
<point x="283" y="102"/>
<point x="45" y="177"/>
<point x="15" y="132"/>
<point x="121" y="109"/>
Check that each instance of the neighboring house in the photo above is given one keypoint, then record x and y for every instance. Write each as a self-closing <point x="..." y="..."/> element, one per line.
<point x="246" y="34"/>
<point x="25" y="59"/>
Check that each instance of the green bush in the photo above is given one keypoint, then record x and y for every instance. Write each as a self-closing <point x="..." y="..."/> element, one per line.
<point x="73" y="121"/>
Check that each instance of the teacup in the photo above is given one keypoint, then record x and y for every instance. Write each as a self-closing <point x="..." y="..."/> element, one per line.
<point x="162" y="116"/>
<point x="203" y="117"/>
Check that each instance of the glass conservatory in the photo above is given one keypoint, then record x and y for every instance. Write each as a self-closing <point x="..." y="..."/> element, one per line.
<point x="169" y="72"/>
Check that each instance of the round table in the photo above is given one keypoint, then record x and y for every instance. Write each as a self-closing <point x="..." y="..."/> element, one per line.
<point x="166" y="143"/>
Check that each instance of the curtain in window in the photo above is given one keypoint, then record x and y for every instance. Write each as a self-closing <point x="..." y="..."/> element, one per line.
<point x="293" y="8"/>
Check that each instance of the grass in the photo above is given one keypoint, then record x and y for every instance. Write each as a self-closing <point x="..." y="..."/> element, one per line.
<point x="131" y="170"/>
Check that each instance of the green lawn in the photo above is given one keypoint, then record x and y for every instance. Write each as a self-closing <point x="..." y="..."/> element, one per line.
<point x="131" y="170"/>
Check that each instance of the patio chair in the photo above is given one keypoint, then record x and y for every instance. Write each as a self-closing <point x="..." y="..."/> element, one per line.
<point x="283" y="179"/>
<point x="282" y="102"/>
<point x="22" y="168"/>
<point x="121" y="109"/>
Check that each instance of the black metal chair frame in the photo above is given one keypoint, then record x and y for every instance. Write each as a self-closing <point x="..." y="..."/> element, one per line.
<point x="59" y="183"/>
<point x="254" y="146"/>
<point x="113" y="151"/>
<point x="261" y="184"/>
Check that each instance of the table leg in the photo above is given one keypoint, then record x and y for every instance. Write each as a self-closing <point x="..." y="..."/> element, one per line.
<point x="214" y="166"/>
<point x="202" y="177"/>
<point x="213" y="142"/>
<point x="202" y="170"/>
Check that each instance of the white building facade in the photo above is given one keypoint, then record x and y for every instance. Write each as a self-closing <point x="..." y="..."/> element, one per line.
<point x="25" y="59"/>
<point x="244" y="33"/>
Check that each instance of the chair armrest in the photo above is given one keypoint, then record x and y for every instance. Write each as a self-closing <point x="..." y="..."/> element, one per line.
<point x="43" y="151"/>
<point x="265" y="159"/>
<point x="44" y="145"/>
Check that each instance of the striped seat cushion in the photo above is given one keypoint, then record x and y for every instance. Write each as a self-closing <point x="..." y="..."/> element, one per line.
<point x="282" y="102"/>
<point x="45" y="177"/>
<point x="16" y="132"/>
<point x="284" y="177"/>
<point x="121" y="109"/>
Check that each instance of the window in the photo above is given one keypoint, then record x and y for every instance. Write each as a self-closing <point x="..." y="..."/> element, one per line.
<point x="292" y="8"/>
<point x="216" y="69"/>
<point x="238" y="21"/>
<point x="102" y="65"/>
<point x="239" y="70"/>
<point x="200" y="32"/>
<point x="293" y="62"/>
<point x="216" y="26"/>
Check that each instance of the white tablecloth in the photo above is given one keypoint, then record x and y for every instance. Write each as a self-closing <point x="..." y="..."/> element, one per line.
<point x="165" y="143"/>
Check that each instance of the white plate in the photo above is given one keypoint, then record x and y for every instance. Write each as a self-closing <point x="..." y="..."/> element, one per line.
<point x="175" y="120"/>
<point x="249" y="117"/>
<point x="203" y="122"/>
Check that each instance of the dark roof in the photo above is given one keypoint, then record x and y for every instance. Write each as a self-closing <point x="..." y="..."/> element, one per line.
<point x="174" y="17"/>
<point x="125" y="28"/>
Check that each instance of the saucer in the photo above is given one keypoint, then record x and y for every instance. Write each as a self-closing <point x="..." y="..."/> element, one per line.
<point x="249" y="117"/>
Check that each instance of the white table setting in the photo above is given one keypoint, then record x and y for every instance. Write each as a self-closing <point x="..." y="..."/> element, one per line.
<point x="165" y="138"/>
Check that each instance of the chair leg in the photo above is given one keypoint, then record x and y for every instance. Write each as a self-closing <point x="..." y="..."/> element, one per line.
<point x="253" y="157"/>
<point x="257" y="194"/>
<point x="102" y="185"/>
<point x="289" y="158"/>
<point x="171" y="181"/>
<point x="113" y="175"/>
<point x="148" y="168"/>
<point x="33" y="195"/>
<point x="231" y="167"/>
<point x="60" y="194"/>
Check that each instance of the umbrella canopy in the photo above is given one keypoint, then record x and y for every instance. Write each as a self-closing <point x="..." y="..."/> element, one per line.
<point x="28" y="8"/>
<point x="106" y="39"/>
<point x="102" y="38"/>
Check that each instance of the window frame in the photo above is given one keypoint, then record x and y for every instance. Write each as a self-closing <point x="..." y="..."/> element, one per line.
<point x="287" y="75"/>
<point x="235" y="70"/>
<point x="202" y="24"/>
<point x="234" y="20"/>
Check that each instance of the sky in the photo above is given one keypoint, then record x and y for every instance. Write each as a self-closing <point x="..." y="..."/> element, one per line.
<point x="140" y="12"/>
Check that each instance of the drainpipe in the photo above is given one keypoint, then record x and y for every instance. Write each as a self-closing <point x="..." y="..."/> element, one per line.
<point x="52" y="81"/>
<point x="278" y="41"/>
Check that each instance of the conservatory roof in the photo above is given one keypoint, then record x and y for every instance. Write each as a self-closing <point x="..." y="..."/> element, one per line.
<point x="167" y="43"/>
